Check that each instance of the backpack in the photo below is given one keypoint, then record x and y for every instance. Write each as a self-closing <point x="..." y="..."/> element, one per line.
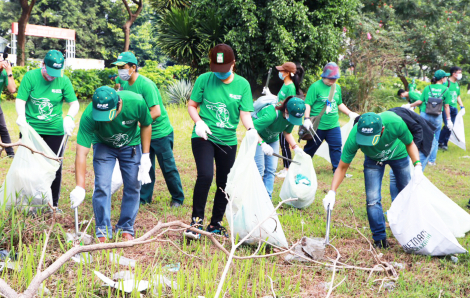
<point x="261" y="103"/>
<point x="434" y="104"/>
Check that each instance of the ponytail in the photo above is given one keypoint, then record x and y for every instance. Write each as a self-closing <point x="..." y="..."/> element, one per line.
<point x="297" y="78"/>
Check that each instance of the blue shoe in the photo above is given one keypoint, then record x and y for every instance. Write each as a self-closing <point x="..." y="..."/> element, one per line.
<point x="217" y="229"/>
<point x="196" y="223"/>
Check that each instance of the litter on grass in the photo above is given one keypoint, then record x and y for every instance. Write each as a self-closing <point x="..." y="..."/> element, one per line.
<point x="311" y="248"/>
<point x="172" y="267"/>
<point x="121" y="260"/>
<point x="43" y="291"/>
<point x="398" y="265"/>
<point x="83" y="257"/>
<point x="127" y="286"/>
<point x="123" y="275"/>
<point x="86" y="239"/>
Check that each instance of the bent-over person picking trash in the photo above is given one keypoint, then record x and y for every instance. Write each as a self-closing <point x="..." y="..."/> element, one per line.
<point x="384" y="139"/>
<point x="111" y="123"/>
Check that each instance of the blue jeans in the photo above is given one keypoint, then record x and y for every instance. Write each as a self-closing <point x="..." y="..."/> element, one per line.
<point x="267" y="166"/>
<point x="437" y="121"/>
<point x="373" y="175"/>
<point x="445" y="133"/>
<point x="333" y="138"/>
<point x="104" y="159"/>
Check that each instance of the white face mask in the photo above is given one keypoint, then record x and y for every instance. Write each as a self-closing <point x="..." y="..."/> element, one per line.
<point x="124" y="74"/>
<point x="459" y="76"/>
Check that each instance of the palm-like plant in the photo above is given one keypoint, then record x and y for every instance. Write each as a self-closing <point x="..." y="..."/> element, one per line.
<point x="180" y="91"/>
<point x="161" y="5"/>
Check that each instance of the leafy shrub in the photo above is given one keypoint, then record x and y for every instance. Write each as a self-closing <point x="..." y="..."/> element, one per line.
<point x="180" y="91"/>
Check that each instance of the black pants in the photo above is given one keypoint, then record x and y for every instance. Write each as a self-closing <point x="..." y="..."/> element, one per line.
<point x="205" y="152"/>
<point x="285" y="150"/>
<point x="4" y="135"/>
<point x="54" y="143"/>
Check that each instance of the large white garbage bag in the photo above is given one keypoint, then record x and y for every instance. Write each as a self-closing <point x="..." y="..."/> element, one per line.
<point x="458" y="135"/>
<point x="250" y="200"/>
<point x="420" y="220"/>
<point x="300" y="182"/>
<point x="324" y="150"/>
<point x="28" y="181"/>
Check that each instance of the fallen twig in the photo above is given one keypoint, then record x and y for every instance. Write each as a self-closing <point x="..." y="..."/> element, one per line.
<point x="4" y="145"/>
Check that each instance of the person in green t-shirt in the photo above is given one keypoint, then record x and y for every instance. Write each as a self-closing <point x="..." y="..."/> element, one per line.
<point x="329" y="129"/>
<point x="291" y="74"/>
<point x="6" y="80"/>
<point x="412" y="86"/>
<point x="454" y="90"/>
<point x="162" y="131"/>
<point x="271" y="122"/>
<point x="436" y="89"/>
<point x="223" y="98"/>
<point x="384" y="139"/>
<point x="410" y="96"/>
<point x="39" y="104"/>
<point x="111" y="124"/>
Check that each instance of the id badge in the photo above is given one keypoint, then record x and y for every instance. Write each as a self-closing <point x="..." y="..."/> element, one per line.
<point x="328" y="107"/>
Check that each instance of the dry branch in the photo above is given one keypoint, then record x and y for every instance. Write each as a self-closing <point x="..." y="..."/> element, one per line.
<point x="4" y="145"/>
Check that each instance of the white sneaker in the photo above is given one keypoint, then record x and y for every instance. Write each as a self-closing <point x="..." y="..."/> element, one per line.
<point x="431" y="163"/>
<point x="282" y="173"/>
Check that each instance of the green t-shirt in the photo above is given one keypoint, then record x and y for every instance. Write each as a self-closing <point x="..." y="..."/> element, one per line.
<point x="454" y="91"/>
<point x="3" y="80"/>
<point x="44" y="101"/>
<point x="391" y="145"/>
<point x="161" y="127"/>
<point x="413" y="96"/>
<point x="122" y="131"/>
<point x="286" y="91"/>
<point x="271" y="123"/>
<point x="412" y="87"/>
<point x="437" y="90"/>
<point x="317" y="96"/>
<point x="121" y="82"/>
<point x="220" y="105"/>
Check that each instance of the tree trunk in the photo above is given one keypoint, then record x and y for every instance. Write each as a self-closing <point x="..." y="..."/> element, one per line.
<point x="22" y="22"/>
<point x="127" y="35"/>
<point x="404" y="81"/>
<point x="126" y="28"/>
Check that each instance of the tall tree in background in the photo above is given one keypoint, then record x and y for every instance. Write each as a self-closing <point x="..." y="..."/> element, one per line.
<point x="26" y="8"/>
<point x="132" y="16"/>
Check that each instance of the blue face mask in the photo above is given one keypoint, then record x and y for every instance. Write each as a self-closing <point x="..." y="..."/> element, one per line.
<point x="403" y="98"/>
<point x="281" y="76"/>
<point x="223" y="75"/>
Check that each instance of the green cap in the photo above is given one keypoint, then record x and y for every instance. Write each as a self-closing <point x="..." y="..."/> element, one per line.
<point x="124" y="58"/>
<point x="105" y="100"/>
<point x="369" y="129"/>
<point x="54" y="62"/>
<point x="296" y="108"/>
<point x="439" y="74"/>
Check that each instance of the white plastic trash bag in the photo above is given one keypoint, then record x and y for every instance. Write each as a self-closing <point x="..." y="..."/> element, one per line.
<point x="457" y="136"/>
<point x="250" y="200"/>
<point x="418" y="225"/>
<point x="28" y="181"/>
<point x="300" y="182"/>
<point x="324" y="150"/>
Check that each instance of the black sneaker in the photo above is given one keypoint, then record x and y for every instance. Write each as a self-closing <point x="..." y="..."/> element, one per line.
<point x="197" y="223"/>
<point x="445" y="148"/>
<point x="217" y="229"/>
<point x="381" y="244"/>
<point x="175" y="204"/>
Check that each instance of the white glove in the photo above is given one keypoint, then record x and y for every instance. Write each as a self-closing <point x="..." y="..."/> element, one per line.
<point x="298" y="150"/>
<point x="69" y="125"/>
<point x="462" y="110"/>
<point x="450" y="125"/>
<point x="21" y="121"/>
<point x="202" y="129"/>
<point x="353" y="115"/>
<point x="418" y="174"/>
<point x="267" y="150"/>
<point x="329" y="200"/>
<point x="407" y="106"/>
<point x="266" y="91"/>
<point x="144" y="169"/>
<point x="77" y="196"/>
<point x="308" y="124"/>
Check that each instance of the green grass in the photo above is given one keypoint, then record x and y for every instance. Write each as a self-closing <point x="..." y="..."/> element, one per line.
<point x="422" y="277"/>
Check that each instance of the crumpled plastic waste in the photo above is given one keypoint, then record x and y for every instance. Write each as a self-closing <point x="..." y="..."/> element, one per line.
<point x="301" y="179"/>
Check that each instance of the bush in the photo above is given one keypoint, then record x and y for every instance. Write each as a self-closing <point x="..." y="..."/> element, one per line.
<point x="180" y="91"/>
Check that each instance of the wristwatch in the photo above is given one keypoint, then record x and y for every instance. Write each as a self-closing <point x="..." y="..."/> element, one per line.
<point x="10" y="75"/>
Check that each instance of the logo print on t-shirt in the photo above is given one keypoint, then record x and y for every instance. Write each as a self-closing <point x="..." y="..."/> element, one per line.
<point x="221" y="113"/>
<point x="45" y="108"/>
<point x="118" y="140"/>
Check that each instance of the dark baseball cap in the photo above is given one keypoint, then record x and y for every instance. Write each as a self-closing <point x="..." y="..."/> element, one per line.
<point x="54" y="62"/>
<point x="105" y="100"/>
<point x="369" y="129"/>
<point x="222" y="58"/>
<point x="288" y="66"/>
<point x="296" y="108"/>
